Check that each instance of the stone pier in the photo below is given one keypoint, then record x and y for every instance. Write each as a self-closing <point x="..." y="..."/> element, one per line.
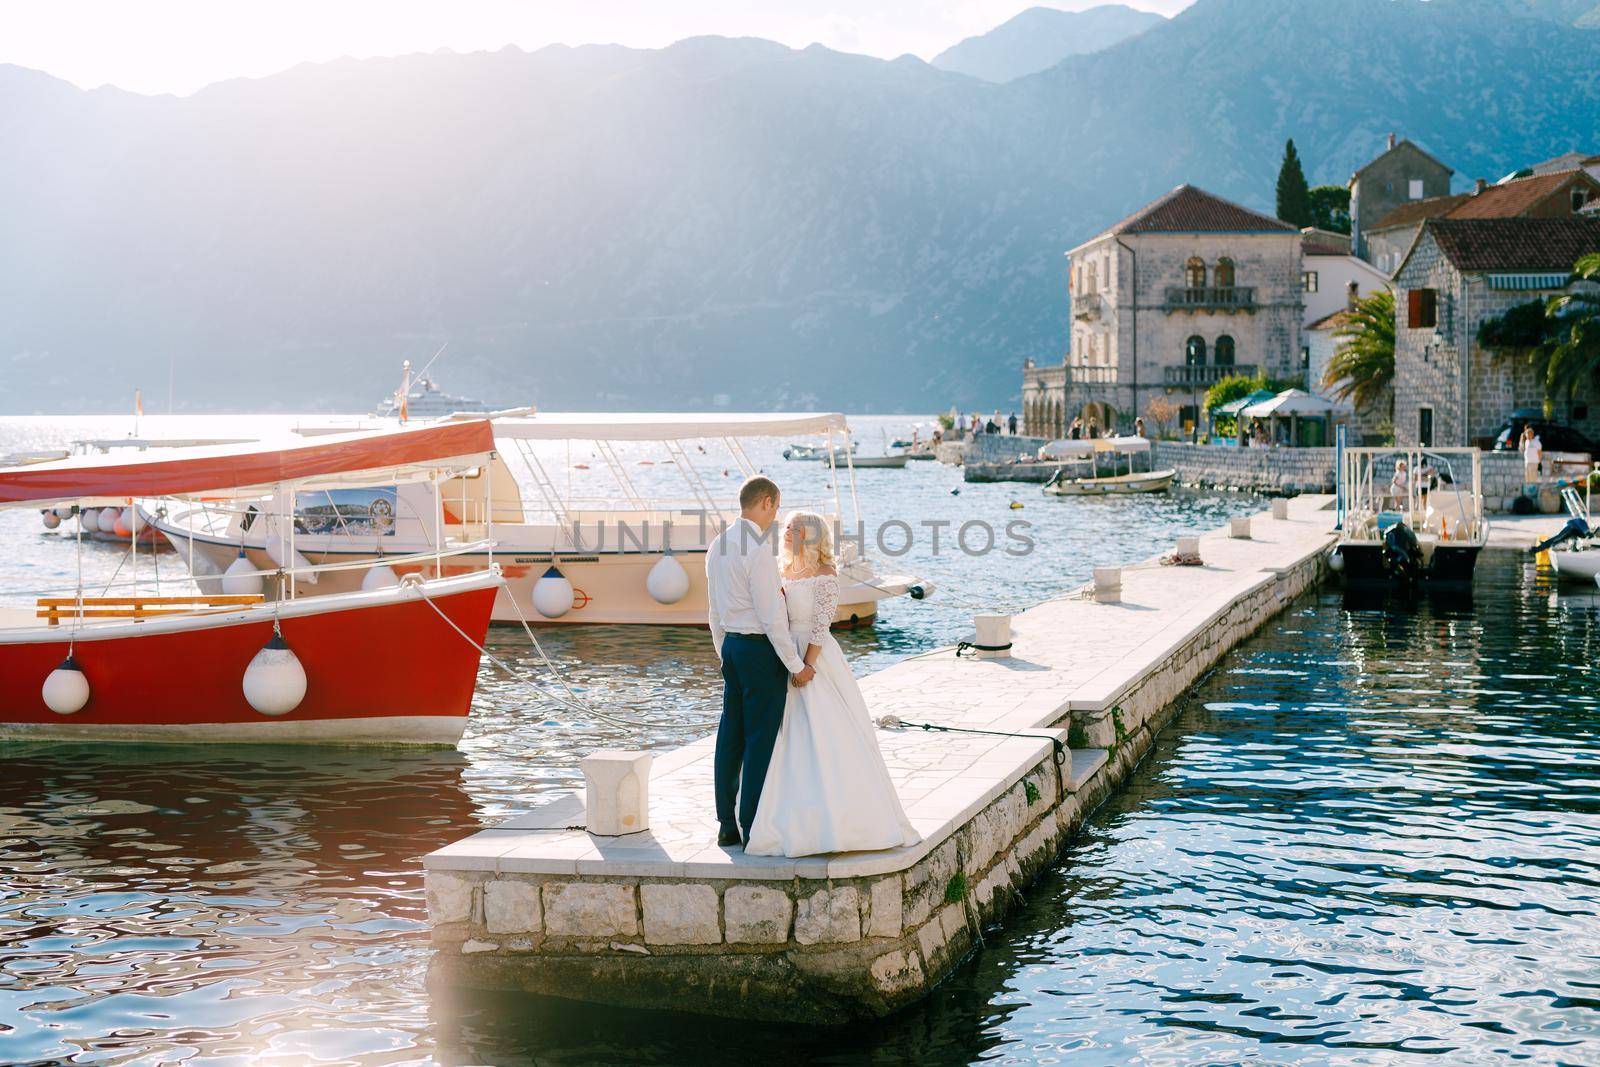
<point x="667" y="919"/>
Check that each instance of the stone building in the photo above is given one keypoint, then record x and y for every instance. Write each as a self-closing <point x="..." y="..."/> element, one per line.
<point x="1553" y="195"/>
<point x="1459" y="272"/>
<point x="1402" y="174"/>
<point x="1185" y="291"/>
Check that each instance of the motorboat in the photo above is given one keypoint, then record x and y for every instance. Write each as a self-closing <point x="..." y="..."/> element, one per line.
<point x="1409" y="516"/>
<point x="423" y="399"/>
<point x="802" y="452"/>
<point x="386" y="660"/>
<point x="1574" y="551"/>
<point x="880" y="462"/>
<point x="419" y="397"/>
<point x="577" y="542"/>
<point x="1086" y="455"/>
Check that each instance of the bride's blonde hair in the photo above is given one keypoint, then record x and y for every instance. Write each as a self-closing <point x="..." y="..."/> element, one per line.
<point x="810" y="543"/>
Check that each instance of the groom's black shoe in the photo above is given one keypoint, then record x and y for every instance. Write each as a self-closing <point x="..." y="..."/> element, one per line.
<point x="727" y="838"/>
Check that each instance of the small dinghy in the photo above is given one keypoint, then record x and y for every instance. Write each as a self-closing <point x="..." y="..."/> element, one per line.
<point x="1410" y="516"/>
<point x="1086" y="454"/>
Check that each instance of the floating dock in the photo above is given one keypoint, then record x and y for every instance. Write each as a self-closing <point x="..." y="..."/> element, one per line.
<point x="667" y="919"/>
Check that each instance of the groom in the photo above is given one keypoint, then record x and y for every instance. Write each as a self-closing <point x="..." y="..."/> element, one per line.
<point x="750" y="630"/>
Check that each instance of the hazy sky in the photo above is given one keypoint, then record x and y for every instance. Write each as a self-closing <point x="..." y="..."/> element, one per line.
<point x="177" y="46"/>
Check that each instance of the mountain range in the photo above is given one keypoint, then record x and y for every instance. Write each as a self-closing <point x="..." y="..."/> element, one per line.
<point x="1041" y="37"/>
<point x="721" y="222"/>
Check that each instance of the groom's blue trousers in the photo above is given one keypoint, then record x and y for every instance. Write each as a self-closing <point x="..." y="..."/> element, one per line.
<point x="755" y="685"/>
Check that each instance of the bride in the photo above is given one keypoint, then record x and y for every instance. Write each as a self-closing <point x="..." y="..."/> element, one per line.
<point x="827" y="788"/>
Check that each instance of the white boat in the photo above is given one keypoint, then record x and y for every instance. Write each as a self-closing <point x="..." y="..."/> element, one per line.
<point x="425" y="400"/>
<point x="814" y="453"/>
<point x="624" y="557"/>
<point x="1088" y="452"/>
<point x="880" y="462"/>
<point x="1427" y="527"/>
<point x="1575" y="555"/>
<point x="419" y="398"/>
<point x="389" y="662"/>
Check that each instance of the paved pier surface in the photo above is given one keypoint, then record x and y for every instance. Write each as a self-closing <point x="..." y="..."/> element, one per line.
<point x="667" y="918"/>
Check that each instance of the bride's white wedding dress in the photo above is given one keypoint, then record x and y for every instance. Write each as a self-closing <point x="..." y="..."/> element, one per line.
<point x="827" y="788"/>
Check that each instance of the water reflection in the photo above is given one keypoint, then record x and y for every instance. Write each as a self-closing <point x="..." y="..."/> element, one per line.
<point x="164" y="899"/>
<point x="1370" y="834"/>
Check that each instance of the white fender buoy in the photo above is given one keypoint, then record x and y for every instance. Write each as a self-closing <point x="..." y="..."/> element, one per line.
<point x="50" y="520"/>
<point x="667" y="581"/>
<point x="278" y="552"/>
<point x="1336" y="561"/>
<point x="63" y="513"/>
<point x="275" y="682"/>
<point x="66" y="689"/>
<point x="380" y="577"/>
<point x="89" y="519"/>
<point x="552" y="594"/>
<point x="107" y="519"/>
<point x="241" y="579"/>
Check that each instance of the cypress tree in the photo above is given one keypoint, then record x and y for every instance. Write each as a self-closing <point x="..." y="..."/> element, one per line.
<point x="1294" y="195"/>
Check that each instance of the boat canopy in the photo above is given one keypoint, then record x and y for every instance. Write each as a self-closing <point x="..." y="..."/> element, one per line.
<point x="253" y="466"/>
<point x="664" y="426"/>
<point x="1070" y="448"/>
<point x="1079" y="448"/>
<point x="1289" y="402"/>
<point x="1233" y="407"/>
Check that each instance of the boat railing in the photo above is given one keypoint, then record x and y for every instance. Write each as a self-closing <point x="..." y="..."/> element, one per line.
<point x="138" y="587"/>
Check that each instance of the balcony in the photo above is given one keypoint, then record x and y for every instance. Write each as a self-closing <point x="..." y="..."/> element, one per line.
<point x="1211" y="298"/>
<point x="1091" y="374"/>
<point x="1205" y="375"/>
<point x="1086" y="307"/>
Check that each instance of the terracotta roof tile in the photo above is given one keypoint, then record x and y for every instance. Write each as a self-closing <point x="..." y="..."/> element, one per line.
<point x="1190" y="210"/>
<point x="1410" y="214"/>
<point x="1519" y="197"/>
<point x="1516" y="244"/>
<point x="1504" y="201"/>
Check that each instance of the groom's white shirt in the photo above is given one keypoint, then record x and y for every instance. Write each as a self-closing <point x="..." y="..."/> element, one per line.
<point x="745" y="592"/>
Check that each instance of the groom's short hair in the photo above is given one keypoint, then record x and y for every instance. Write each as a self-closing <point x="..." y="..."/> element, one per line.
<point x="756" y="489"/>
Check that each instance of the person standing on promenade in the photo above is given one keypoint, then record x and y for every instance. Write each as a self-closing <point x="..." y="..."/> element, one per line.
<point x="1532" y="455"/>
<point x="750" y="631"/>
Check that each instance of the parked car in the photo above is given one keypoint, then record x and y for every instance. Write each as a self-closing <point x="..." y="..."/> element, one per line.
<point x="1552" y="435"/>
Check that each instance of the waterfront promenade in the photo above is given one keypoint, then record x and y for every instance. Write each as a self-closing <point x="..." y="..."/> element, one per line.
<point x="665" y="918"/>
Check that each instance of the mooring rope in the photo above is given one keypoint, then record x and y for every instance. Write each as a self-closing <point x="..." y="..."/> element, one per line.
<point x="1058" y="747"/>
<point x="572" y="701"/>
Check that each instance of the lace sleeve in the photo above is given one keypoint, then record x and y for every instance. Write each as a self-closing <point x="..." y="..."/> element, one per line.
<point x="826" y="601"/>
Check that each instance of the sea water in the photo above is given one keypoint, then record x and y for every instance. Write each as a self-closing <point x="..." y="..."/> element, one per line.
<point x="1368" y="835"/>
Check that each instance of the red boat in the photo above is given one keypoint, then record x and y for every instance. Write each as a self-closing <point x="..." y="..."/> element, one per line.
<point x="392" y="664"/>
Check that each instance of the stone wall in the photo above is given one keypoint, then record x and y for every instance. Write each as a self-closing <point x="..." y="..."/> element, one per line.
<point x="1271" y="470"/>
<point x="1469" y="390"/>
<point x="1124" y="348"/>
<point x="813" y="949"/>
<point x="1001" y="448"/>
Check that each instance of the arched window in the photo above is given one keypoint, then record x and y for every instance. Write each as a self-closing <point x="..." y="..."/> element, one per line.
<point x="1194" y="273"/>
<point x="1224" y="273"/>
<point x="1223" y="357"/>
<point x="1194" y="353"/>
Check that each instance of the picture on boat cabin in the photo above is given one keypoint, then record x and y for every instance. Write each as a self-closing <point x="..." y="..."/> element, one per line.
<point x="351" y="512"/>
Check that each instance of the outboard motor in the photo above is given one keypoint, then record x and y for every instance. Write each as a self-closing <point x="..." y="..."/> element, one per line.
<point x="1402" y="554"/>
<point x="1575" y="530"/>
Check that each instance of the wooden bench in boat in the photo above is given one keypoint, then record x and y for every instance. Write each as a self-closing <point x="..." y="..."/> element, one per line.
<point x="138" y="607"/>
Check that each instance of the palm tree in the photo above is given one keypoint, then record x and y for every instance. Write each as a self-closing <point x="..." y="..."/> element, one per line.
<point x="1363" y="367"/>
<point x="1572" y="357"/>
